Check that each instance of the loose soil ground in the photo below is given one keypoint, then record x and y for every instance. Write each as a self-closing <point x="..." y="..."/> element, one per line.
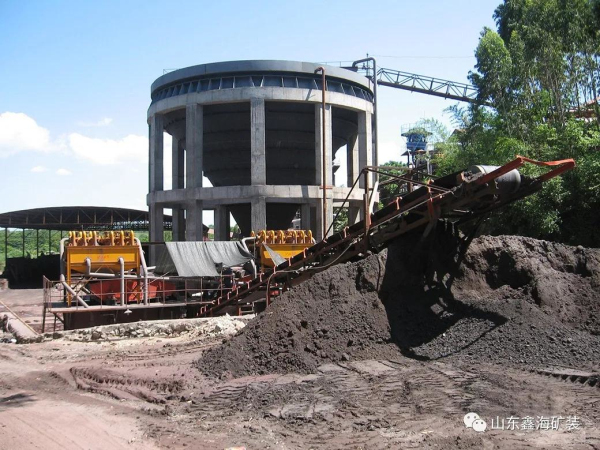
<point x="388" y="352"/>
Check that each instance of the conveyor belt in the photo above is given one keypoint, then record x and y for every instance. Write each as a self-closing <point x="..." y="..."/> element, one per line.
<point x="461" y="197"/>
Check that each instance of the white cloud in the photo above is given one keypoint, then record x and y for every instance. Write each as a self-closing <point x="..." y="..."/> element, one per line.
<point x="105" y="121"/>
<point x="39" y="169"/>
<point x="19" y="132"/>
<point x="63" y="172"/>
<point x="109" y="151"/>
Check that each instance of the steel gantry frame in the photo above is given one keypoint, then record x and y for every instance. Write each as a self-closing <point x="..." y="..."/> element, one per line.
<point x="438" y="87"/>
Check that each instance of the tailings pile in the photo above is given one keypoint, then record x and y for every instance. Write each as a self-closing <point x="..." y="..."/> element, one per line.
<point x="504" y="299"/>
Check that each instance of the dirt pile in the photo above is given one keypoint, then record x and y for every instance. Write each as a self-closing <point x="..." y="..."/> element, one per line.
<point x="505" y="299"/>
<point x="502" y="299"/>
<point x="335" y="316"/>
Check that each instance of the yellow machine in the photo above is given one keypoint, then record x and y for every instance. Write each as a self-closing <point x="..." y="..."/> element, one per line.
<point x="103" y="249"/>
<point x="287" y="243"/>
<point x="98" y="251"/>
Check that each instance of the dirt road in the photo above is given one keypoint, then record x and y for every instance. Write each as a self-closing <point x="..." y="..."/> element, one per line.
<point x="146" y="393"/>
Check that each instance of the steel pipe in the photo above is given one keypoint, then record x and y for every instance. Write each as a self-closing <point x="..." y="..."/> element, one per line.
<point x="323" y="146"/>
<point x="72" y="292"/>
<point x="376" y="132"/>
<point x="144" y="270"/>
<point x="62" y="251"/>
<point x="122" y="276"/>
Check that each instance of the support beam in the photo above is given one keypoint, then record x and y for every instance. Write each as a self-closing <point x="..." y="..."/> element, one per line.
<point x="258" y="160"/>
<point x="178" y="182"/>
<point x="156" y="232"/>
<point x="194" y="145"/>
<point x="178" y="224"/>
<point x="221" y="223"/>
<point x="374" y="149"/>
<point x="318" y="233"/>
<point x="155" y="161"/>
<point x="352" y="160"/>
<point x="258" y="214"/>
<point x="305" y="222"/>
<point x="193" y="229"/>
<point x="319" y="145"/>
<point x="354" y="214"/>
<point x="178" y="164"/>
<point x="365" y="144"/>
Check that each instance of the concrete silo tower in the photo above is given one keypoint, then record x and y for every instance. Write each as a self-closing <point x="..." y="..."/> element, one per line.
<point x="254" y="129"/>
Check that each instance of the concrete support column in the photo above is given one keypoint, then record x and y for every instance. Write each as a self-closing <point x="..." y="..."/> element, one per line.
<point x="178" y="224"/>
<point x="221" y="223"/>
<point x="156" y="153"/>
<point x="318" y="233"/>
<point x="319" y="164"/>
<point x="177" y="165"/>
<point x="305" y="222"/>
<point x="258" y="214"/>
<point x="354" y="214"/>
<point x="178" y="182"/>
<point x="193" y="228"/>
<point x="319" y="145"/>
<point x="194" y="145"/>
<point x="258" y="162"/>
<point x="352" y="160"/>
<point x="156" y="232"/>
<point x="365" y="144"/>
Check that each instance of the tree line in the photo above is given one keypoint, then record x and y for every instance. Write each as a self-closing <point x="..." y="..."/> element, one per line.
<point x="538" y="78"/>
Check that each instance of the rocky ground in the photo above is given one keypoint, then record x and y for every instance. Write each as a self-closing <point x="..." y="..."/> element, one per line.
<point x="388" y="352"/>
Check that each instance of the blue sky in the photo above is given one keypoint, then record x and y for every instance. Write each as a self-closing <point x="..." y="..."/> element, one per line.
<point x="75" y="76"/>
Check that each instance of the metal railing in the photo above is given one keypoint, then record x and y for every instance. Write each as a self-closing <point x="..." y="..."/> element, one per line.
<point x="105" y="293"/>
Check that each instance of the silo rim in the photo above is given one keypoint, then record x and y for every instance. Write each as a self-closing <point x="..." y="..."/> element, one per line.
<point x="258" y="66"/>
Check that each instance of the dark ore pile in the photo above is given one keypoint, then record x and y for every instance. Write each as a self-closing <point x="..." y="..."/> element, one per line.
<point x="504" y="299"/>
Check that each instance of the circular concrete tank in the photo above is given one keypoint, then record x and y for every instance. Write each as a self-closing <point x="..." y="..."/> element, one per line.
<point x="254" y="129"/>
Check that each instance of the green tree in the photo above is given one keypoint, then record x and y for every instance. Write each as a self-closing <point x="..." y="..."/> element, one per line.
<point x="539" y="72"/>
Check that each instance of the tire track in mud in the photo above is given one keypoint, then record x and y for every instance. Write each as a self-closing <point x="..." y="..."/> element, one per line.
<point x="382" y="403"/>
<point x="373" y="404"/>
<point x="122" y="387"/>
<point x="363" y="404"/>
<point x="573" y="376"/>
<point x="134" y="375"/>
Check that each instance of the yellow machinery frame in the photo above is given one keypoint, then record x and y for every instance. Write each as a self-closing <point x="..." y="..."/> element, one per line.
<point x="103" y="250"/>
<point x="287" y="243"/>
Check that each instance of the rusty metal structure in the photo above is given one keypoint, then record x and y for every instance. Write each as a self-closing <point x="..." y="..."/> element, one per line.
<point x="420" y="205"/>
<point x="459" y="198"/>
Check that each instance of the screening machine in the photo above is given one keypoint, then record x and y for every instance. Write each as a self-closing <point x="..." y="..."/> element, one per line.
<point x="109" y="255"/>
<point x="275" y="246"/>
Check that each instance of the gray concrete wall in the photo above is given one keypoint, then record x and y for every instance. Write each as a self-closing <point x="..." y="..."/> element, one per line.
<point x="184" y="115"/>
